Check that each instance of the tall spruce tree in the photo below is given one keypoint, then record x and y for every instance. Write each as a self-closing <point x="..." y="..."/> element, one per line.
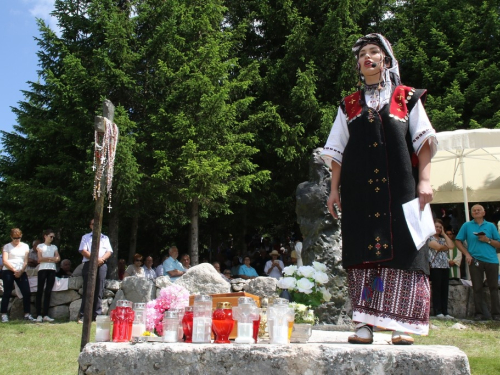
<point x="46" y="170"/>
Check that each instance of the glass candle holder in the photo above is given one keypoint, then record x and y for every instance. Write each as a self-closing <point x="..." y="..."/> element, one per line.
<point x="202" y="319"/>
<point x="187" y="324"/>
<point x="222" y="323"/>
<point x="123" y="318"/>
<point x="170" y="326"/>
<point x="245" y="313"/>
<point x="280" y="314"/>
<point x="103" y="328"/>
<point x="139" y="324"/>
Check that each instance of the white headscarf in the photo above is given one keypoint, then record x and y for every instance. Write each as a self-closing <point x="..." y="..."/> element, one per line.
<point x="383" y="43"/>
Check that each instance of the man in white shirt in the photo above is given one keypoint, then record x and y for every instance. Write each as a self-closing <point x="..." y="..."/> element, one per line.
<point x="105" y="252"/>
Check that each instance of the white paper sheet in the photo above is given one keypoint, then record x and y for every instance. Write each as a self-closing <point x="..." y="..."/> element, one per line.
<point x="420" y="223"/>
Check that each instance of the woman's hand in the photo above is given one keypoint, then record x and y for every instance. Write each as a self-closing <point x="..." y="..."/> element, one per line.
<point x="333" y="199"/>
<point x="17" y="274"/>
<point x="425" y="193"/>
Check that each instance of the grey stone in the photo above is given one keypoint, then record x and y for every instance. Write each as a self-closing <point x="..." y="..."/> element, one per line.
<point x="203" y="279"/>
<point x="17" y="309"/>
<point x="60" y="312"/>
<point x="458" y="326"/>
<point x="74" y="310"/>
<point x="78" y="270"/>
<point x="105" y="306"/>
<point x="118" y="296"/>
<point x="138" y="289"/>
<point x="75" y="283"/>
<point x="322" y="239"/>
<point x="262" y="286"/>
<point x="113" y="285"/>
<point x="108" y="293"/>
<point x="63" y="298"/>
<point x="80" y="291"/>
<point x="237" y="285"/>
<point x="162" y="282"/>
<point x="329" y="356"/>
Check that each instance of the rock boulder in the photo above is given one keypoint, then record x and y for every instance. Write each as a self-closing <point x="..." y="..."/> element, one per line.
<point x="322" y="239"/>
<point x="203" y="279"/>
<point x="262" y="287"/>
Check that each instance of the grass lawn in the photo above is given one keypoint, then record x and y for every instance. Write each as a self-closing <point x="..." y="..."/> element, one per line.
<point x="53" y="348"/>
<point x="480" y="341"/>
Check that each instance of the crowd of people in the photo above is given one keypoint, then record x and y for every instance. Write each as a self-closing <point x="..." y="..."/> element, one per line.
<point x="475" y="244"/>
<point x="475" y="248"/>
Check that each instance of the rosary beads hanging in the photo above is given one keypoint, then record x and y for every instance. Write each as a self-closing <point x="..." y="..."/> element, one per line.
<point x="105" y="154"/>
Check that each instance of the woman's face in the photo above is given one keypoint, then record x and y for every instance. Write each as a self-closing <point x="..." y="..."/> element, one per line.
<point x="137" y="262"/>
<point x="439" y="228"/>
<point x="49" y="237"/>
<point x="369" y="54"/>
<point x="247" y="261"/>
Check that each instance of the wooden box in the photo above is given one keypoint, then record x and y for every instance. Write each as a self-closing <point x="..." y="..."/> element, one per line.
<point x="232" y="298"/>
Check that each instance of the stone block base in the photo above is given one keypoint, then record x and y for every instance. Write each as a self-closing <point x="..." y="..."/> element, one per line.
<point x="314" y="358"/>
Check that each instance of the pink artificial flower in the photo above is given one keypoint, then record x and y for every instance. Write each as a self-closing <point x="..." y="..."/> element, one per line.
<point x="171" y="297"/>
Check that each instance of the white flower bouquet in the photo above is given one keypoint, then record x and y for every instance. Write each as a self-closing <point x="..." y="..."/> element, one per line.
<point x="302" y="313"/>
<point x="306" y="284"/>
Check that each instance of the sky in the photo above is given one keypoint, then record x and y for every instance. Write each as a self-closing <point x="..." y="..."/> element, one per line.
<point x="19" y="62"/>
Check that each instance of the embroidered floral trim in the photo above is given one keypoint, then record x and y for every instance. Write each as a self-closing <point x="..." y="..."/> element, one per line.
<point x="334" y="150"/>
<point x="421" y="135"/>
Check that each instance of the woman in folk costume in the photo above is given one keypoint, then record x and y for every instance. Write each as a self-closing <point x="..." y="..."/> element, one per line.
<point x="379" y="151"/>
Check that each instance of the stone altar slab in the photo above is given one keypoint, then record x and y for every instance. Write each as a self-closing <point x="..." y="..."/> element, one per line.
<point x="326" y="353"/>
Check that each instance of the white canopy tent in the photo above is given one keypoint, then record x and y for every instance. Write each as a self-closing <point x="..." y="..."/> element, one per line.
<point x="466" y="167"/>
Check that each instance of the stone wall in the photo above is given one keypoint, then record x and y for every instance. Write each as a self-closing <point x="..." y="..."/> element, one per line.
<point x="65" y="305"/>
<point x="200" y="279"/>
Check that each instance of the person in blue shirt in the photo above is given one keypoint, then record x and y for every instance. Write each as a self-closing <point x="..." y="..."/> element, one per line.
<point x="246" y="271"/>
<point x="481" y="254"/>
<point x="172" y="267"/>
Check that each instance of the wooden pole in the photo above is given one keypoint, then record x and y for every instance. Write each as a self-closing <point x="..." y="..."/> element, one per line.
<point x="108" y="111"/>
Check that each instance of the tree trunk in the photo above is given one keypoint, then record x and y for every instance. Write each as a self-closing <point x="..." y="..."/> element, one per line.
<point x="133" y="234"/>
<point x="114" y="229"/>
<point x="193" y="238"/>
<point x="244" y="227"/>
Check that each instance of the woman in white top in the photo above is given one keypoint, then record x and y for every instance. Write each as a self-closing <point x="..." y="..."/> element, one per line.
<point x="48" y="256"/>
<point x="274" y="267"/>
<point x="15" y="260"/>
<point x="136" y="268"/>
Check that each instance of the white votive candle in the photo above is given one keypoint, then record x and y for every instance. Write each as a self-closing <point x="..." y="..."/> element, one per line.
<point x="170" y="336"/>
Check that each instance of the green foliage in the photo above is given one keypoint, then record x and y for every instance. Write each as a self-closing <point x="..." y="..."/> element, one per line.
<point x="220" y="105"/>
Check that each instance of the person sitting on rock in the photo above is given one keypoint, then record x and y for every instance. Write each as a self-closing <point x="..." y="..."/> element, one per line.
<point x="235" y="268"/>
<point x="246" y="271"/>
<point x="172" y="267"/>
<point x="274" y="267"/>
<point x="186" y="261"/>
<point x="65" y="269"/>
<point x="216" y="265"/>
<point x="149" y="271"/>
<point x="136" y="268"/>
<point x="159" y="269"/>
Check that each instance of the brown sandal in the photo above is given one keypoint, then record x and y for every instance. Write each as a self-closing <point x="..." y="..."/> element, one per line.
<point x="402" y="340"/>
<point x="355" y="339"/>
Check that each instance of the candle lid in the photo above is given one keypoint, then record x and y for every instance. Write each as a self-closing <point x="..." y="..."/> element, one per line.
<point x="224" y="305"/>
<point x="202" y="298"/>
<point x="170" y="314"/>
<point x="139" y="306"/>
<point x="243" y="300"/>
<point x="281" y="301"/>
<point x="123" y="303"/>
